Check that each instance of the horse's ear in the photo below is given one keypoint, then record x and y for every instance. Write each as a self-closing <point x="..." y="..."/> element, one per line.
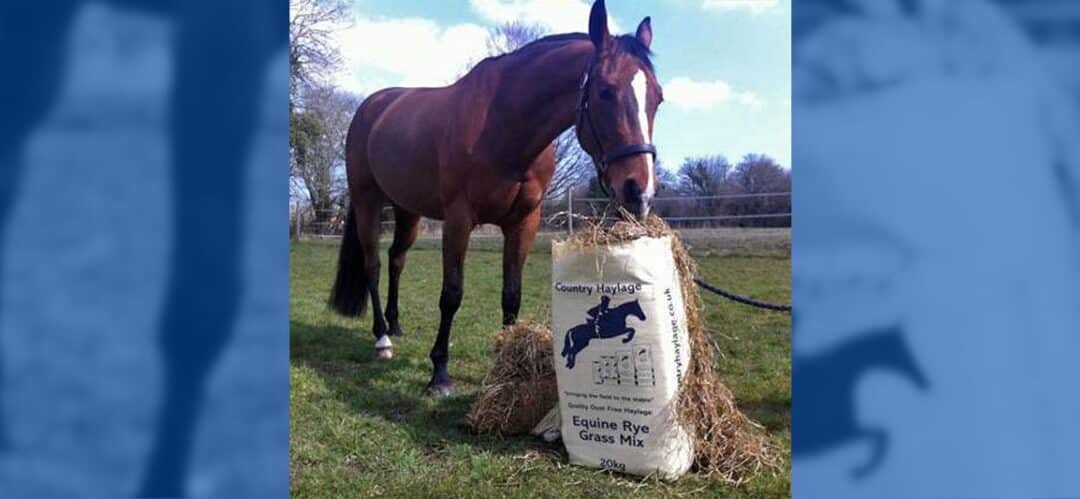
<point x="598" y="30"/>
<point x="644" y="31"/>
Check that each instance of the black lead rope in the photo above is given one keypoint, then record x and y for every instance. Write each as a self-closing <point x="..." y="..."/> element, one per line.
<point x="742" y="299"/>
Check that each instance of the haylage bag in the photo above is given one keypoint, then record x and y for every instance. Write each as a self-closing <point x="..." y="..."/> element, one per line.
<point x="619" y="327"/>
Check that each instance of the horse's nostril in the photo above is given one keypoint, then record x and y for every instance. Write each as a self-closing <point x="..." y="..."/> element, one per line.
<point x="633" y="196"/>
<point x="632" y="191"/>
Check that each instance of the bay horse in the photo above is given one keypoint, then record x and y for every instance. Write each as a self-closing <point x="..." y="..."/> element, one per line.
<point x="212" y="120"/>
<point x="609" y="325"/>
<point x="479" y="151"/>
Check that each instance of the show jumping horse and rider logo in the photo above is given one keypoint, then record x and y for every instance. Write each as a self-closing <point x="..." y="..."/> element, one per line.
<point x="603" y="322"/>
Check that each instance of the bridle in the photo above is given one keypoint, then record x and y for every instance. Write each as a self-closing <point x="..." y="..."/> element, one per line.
<point x="602" y="160"/>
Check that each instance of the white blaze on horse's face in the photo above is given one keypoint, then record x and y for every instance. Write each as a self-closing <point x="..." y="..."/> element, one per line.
<point x="640" y="84"/>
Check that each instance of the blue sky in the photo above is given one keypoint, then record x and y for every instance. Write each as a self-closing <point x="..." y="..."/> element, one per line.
<point x="725" y="64"/>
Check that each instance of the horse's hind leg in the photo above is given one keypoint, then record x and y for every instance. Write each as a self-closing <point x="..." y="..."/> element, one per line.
<point x="406" y="228"/>
<point x="367" y="209"/>
<point x="879" y="444"/>
<point x="579" y="342"/>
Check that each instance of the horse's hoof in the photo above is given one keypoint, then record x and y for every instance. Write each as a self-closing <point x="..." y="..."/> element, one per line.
<point x="440" y="389"/>
<point x="395" y="330"/>
<point x="384" y="348"/>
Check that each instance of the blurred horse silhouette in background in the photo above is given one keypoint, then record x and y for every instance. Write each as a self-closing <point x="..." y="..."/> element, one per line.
<point x="828" y="418"/>
<point x="221" y="51"/>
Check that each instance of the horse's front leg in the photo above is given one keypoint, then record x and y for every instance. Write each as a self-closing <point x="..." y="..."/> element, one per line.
<point x="455" y="239"/>
<point x="629" y="335"/>
<point x="518" y="238"/>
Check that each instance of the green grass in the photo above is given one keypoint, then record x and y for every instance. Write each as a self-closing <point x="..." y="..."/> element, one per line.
<point x="363" y="428"/>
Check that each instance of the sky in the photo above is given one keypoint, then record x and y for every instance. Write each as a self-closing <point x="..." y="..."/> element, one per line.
<point x="725" y="65"/>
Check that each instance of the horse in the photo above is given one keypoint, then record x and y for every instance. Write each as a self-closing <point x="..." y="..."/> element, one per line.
<point x="479" y="151"/>
<point x="609" y="325"/>
<point x="211" y="123"/>
<point x="829" y="419"/>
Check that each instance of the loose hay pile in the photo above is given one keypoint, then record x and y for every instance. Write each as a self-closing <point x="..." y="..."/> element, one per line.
<point x="520" y="389"/>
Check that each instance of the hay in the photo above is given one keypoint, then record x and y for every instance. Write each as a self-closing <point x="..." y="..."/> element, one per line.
<point x="726" y="442"/>
<point x="521" y="388"/>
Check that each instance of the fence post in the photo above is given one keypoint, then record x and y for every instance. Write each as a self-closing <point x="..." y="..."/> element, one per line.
<point x="570" y="210"/>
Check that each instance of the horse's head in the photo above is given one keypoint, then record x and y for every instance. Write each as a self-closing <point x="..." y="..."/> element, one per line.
<point x="619" y="98"/>
<point x="634" y="308"/>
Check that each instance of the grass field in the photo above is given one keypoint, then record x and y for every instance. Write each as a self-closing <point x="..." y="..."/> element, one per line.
<point x="363" y="428"/>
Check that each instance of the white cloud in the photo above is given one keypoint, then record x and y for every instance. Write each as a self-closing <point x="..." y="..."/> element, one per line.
<point x="406" y="52"/>
<point x="379" y="52"/>
<point x="754" y="6"/>
<point x="689" y="94"/>
<point x="560" y="16"/>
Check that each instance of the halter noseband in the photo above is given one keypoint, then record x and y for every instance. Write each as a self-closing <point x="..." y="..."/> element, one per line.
<point x="605" y="158"/>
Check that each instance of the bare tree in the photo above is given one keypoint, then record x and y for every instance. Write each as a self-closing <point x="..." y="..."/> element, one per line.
<point x="759" y="174"/>
<point x="666" y="180"/>
<point x="704" y="176"/>
<point x="318" y="159"/>
<point x="313" y="58"/>
<point x="573" y="166"/>
<point x="510" y="36"/>
<point x="313" y="54"/>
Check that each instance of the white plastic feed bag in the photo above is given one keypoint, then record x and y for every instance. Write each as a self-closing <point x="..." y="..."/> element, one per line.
<point x="619" y="327"/>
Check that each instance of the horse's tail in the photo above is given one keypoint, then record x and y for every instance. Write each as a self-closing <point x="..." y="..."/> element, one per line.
<point x="566" y="343"/>
<point x="350" y="294"/>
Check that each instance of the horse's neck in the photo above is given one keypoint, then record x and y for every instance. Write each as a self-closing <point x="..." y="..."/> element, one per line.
<point x="536" y="101"/>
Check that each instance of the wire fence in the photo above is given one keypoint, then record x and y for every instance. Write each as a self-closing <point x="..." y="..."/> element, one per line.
<point x="769" y="209"/>
<point x="721" y="210"/>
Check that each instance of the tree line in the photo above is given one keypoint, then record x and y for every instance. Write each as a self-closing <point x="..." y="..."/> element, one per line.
<point x="740" y="185"/>
<point x="705" y="186"/>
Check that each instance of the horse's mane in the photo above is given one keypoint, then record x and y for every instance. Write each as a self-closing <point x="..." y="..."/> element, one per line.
<point x="628" y="44"/>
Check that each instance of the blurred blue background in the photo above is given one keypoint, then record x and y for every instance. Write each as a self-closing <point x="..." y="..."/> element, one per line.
<point x="143" y="259"/>
<point x="936" y="153"/>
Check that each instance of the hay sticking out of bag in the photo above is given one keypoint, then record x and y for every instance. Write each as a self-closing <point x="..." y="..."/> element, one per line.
<point x="726" y="442"/>
<point x="521" y="388"/>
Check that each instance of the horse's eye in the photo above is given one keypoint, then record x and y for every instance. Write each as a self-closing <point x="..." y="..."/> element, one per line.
<point x="607" y="94"/>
